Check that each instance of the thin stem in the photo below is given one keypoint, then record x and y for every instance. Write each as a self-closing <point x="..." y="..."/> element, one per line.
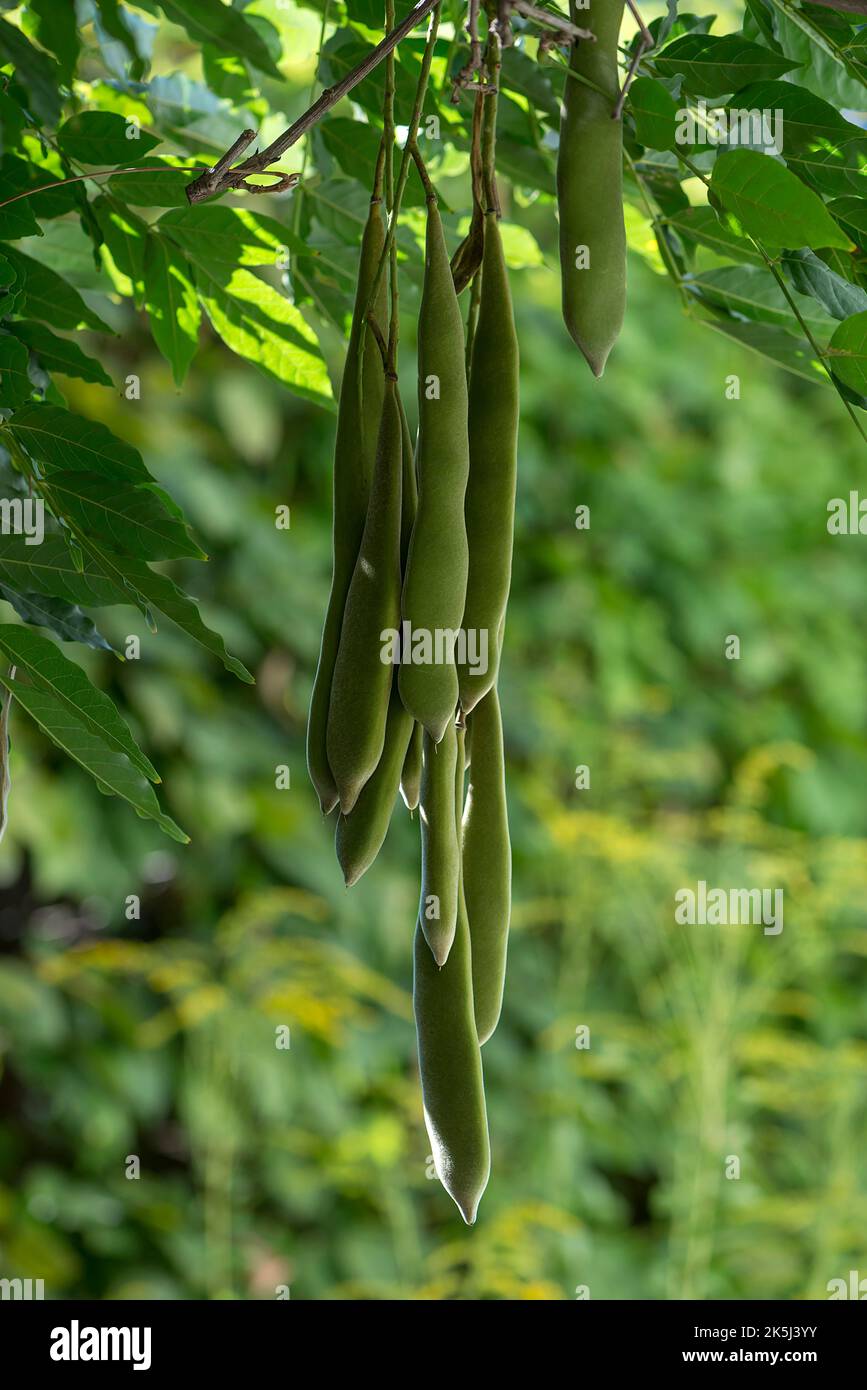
<point x="645" y="42"/>
<point x="552" y="21"/>
<point x="430" y="192"/>
<point x="489" y="123"/>
<point x="403" y="172"/>
<point x="388" y="140"/>
<point x="98" y="174"/>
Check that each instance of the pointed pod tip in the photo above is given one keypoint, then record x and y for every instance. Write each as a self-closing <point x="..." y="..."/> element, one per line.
<point x="595" y="357"/>
<point x="436" y="732"/>
<point x="468" y="1210"/>
<point x="596" y="362"/>
<point x="439" y="948"/>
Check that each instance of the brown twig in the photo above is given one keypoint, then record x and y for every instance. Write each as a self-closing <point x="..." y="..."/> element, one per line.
<point x="223" y="177"/>
<point x="464" y="81"/>
<point x="552" y="21"/>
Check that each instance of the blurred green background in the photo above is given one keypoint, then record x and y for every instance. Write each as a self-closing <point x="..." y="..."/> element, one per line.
<point x="308" y="1167"/>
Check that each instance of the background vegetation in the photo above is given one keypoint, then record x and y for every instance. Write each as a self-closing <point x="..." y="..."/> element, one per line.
<point x="308" y="1167"/>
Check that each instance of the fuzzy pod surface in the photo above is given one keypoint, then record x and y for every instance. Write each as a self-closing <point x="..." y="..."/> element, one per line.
<point x="361" y="685"/>
<point x="434" y="589"/>
<point x="440" y="844"/>
<point x="410" y="778"/>
<point x="450" y="1061"/>
<point x="359" y="836"/>
<point x="493" y="435"/>
<point x="487" y="863"/>
<point x="358" y="419"/>
<point x="590" y="189"/>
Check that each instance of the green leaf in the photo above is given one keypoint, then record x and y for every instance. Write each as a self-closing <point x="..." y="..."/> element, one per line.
<point x="837" y="170"/>
<point x="60" y="440"/>
<point x="341" y="205"/>
<point x="132" y="520"/>
<point x="165" y="188"/>
<point x="48" y="668"/>
<point x="701" y="224"/>
<point x="54" y="198"/>
<point x="161" y="594"/>
<point x="811" y="276"/>
<point x="42" y="294"/>
<point x="770" y="202"/>
<point x="118" y="23"/>
<point x="212" y="22"/>
<point x="212" y="233"/>
<point x="752" y="292"/>
<point x="830" y="67"/>
<point x="520" y="73"/>
<point x="780" y="347"/>
<point x="125" y="235"/>
<point x="228" y="77"/>
<point x="112" y="771"/>
<point x="811" y="127"/>
<point x="12" y="121"/>
<point x="37" y="73"/>
<point x="179" y="101"/>
<point x="355" y="147"/>
<point x="712" y="65"/>
<point x="526" y="166"/>
<point x="49" y="569"/>
<point x="57" y="30"/>
<point x="15" y="384"/>
<point x="106" y="579"/>
<point x="259" y="324"/>
<point x="172" y="304"/>
<point x="17" y="219"/>
<point x="65" y="620"/>
<point x="345" y="50"/>
<point x="59" y="354"/>
<point x="655" y="112"/>
<point x="104" y="138"/>
<point x="847" y="352"/>
<point x="851" y="213"/>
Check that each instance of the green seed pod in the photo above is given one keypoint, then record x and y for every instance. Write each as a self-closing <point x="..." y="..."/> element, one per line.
<point x="450" y="1062"/>
<point x="358" y="417"/>
<point x="487" y="863"/>
<point x="590" y="189"/>
<point x="359" y="836"/>
<point x="490" y="499"/>
<point x="434" y="589"/>
<point x="409" y="495"/>
<point x="440" y="844"/>
<point x="361" y="685"/>
<point x="410" y="778"/>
